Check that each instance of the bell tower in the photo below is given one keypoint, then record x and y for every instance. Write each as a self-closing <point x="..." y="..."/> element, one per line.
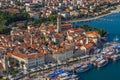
<point x="59" y="23"/>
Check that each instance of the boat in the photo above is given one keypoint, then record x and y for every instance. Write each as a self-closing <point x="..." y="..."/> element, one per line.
<point x="98" y="60"/>
<point x="116" y="39"/>
<point x="83" y="68"/>
<point x="62" y="75"/>
<point x="72" y="77"/>
<point x="92" y="60"/>
<point x="102" y="63"/>
<point x="109" y="54"/>
<point x="115" y="57"/>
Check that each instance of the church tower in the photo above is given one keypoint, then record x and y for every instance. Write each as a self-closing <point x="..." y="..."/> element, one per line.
<point x="59" y="23"/>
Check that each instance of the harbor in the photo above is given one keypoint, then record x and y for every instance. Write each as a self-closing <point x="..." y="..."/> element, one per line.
<point x="100" y="60"/>
<point x="107" y="55"/>
<point x="111" y="24"/>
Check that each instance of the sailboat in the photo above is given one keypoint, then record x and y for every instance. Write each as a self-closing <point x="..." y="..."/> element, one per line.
<point x="116" y="39"/>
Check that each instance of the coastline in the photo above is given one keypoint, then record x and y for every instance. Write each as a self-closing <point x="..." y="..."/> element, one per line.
<point x="96" y="17"/>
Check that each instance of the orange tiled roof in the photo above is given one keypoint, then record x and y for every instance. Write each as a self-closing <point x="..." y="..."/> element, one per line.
<point x="23" y="56"/>
<point x="59" y="35"/>
<point x="41" y="54"/>
<point x="88" y="45"/>
<point x="76" y="29"/>
<point x="92" y="32"/>
<point x="9" y="54"/>
<point x="66" y="25"/>
<point x="31" y="56"/>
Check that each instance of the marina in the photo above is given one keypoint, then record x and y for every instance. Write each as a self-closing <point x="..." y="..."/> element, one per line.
<point x="111" y="67"/>
<point x="96" y="61"/>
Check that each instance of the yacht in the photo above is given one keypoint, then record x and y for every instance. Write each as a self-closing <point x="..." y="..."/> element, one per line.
<point x="102" y="63"/>
<point x="62" y="75"/>
<point x="83" y="68"/>
<point x="116" y="39"/>
<point x="97" y="60"/>
<point x="115" y="57"/>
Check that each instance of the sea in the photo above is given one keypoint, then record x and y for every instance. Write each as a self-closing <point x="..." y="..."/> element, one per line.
<point x="111" y="23"/>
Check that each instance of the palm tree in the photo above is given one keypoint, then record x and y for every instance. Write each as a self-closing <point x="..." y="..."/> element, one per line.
<point x="14" y="74"/>
<point x="22" y="63"/>
<point x="6" y="73"/>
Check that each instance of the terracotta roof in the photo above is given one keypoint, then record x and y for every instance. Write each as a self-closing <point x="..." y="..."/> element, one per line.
<point x="9" y="54"/>
<point x="88" y="45"/>
<point x="41" y="54"/>
<point x="31" y="56"/>
<point x="59" y="35"/>
<point x="76" y="29"/>
<point x="92" y="32"/>
<point x="66" y="25"/>
<point x="23" y="56"/>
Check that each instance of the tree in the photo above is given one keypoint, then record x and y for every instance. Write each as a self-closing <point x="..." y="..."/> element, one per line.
<point x="4" y="29"/>
<point x="22" y="63"/>
<point x="6" y="74"/>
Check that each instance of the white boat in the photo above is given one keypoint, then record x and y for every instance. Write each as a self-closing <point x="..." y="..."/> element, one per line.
<point x="83" y="68"/>
<point x="110" y="53"/>
<point x="73" y="77"/>
<point x="116" y="39"/>
<point x="115" y="57"/>
<point x="99" y="59"/>
<point x="102" y="63"/>
<point x="93" y="59"/>
<point x="62" y="75"/>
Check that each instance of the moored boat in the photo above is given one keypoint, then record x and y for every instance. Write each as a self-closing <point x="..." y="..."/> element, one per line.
<point x="83" y="68"/>
<point x="102" y="63"/>
<point x="62" y="75"/>
<point x="115" y="57"/>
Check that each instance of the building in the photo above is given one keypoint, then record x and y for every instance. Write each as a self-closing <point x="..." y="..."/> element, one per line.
<point x="30" y="60"/>
<point x="62" y="55"/>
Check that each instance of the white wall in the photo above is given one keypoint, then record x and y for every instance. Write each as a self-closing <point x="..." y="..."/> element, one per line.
<point x="63" y="56"/>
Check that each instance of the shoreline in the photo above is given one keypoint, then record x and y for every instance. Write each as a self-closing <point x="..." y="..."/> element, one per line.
<point x="94" y="18"/>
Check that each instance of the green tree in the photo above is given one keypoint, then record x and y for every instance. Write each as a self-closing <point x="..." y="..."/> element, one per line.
<point x="22" y="63"/>
<point x="6" y="73"/>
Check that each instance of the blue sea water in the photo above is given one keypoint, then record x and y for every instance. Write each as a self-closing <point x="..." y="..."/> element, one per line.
<point x="110" y="23"/>
<point x="109" y="72"/>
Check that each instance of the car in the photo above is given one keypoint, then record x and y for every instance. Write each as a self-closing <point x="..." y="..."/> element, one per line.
<point x="38" y="69"/>
<point x="25" y="72"/>
<point x="41" y="67"/>
<point x="32" y="70"/>
<point x="52" y="64"/>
